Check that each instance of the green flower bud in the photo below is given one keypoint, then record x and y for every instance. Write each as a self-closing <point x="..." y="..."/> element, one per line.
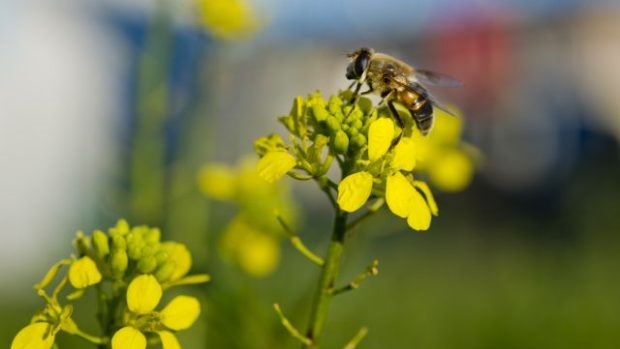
<point x="333" y="123"/>
<point x="353" y="131"/>
<point x="319" y="112"/>
<point x="341" y="142"/>
<point x="162" y="257"/>
<point x="358" y="141"/>
<point x="82" y="243"/>
<point x="118" y="262"/>
<point x="357" y="124"/>
<point x="345" y="127"/>
<point x="334" y="104"/>
<point x="153" y="236"/>
<point x="119" y="243"/>
<point x="100" y="243"/>
<point x="288" y="122"/>
<point x="164" y="272"/>
<point x="147" y="264"/>
<point x="339" y="115"/>
<point x="148" y="250"/>
<point x="134" y="250"/>
<point x="356" y="114"/>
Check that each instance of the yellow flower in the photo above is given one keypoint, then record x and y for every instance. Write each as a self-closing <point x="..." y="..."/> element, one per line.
<point x="128" y="338"/>
<point x="452" y="171"/>
<point x="354" y="191"/>
<point x="217" y="181"/>
<point x="255" y="251"/>
<point x="274" y="165"/>
<point x="180" y="313"/>
<point x="84" y="273"/>
<point x="143" y="294"/>
<point x="180" y="256"/>
<point x="380" y="135"/>
<point x="404" y="154"/>
<point x="405" y="201"/>
<point x="34" y="336"/>
<point x="227" y="19"/>
<point x="259" y="254"/>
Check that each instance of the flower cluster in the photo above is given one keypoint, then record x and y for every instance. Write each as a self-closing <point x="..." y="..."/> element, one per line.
<point x="129" y="268"/>
<point x="377" y="158"/>
<point x="252" y="238"/>
<point x="227" y="19"/>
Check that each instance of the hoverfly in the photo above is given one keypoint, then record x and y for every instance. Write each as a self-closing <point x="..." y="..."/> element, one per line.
<point x="396" y="81"/>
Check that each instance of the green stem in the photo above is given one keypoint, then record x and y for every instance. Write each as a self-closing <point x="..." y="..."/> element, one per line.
<point x="329" y="272"/>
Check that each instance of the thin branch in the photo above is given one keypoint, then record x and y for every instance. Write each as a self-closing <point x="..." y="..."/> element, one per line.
<point x="298" y="243"/>
<point x="371" y="211"/>
<point x="371" y="270"/>
<point x="290" y="328"/>
<point x="357" y="339"/>
<point x="299" y="176"/>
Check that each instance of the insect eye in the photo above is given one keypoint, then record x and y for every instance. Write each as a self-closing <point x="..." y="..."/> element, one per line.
<point x="386" y="80"/>
<point x="360" y="64"/>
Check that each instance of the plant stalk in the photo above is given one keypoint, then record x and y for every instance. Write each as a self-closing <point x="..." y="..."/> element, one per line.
<point x="329" y="272"/>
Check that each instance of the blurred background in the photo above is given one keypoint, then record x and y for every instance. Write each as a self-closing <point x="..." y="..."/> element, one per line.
<point x="110" y="108"/>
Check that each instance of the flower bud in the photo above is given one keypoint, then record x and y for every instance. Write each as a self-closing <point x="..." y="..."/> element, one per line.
<point x="121" y="228"/>
<point x="353" y="131"/>
<point x="165" y="271"/>
<point x="134" y="250"/>
<point x="341" y="142"/>
<point x="333" y="123"/>
<point x="119" y="243"/>
<point x="162" y="257"/>
<point x="356" y="124"/>
<point x="148" y="250"/>
<point x="118" y="262"/>
<point x="147" y="264"/>
<point x="153" y="236"/>
<point x="82" y="243"/>
<point x="334" y="104"/>
<point x="358" y="141"/>
<point x="319" y="112"/>
<point x="101" y="244"/>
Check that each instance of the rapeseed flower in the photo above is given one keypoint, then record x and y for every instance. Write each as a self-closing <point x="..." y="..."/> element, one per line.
<point x="377" y="158"/>
<point x="105" y="258"/>
<point x="252" y="238"/>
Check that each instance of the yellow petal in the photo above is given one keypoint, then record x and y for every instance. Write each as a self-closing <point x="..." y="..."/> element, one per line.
<point x="34" y="336"/>
<point x="180" y="313"/>
<point x="404" y="154"/>
<point x="84" y="273"/>
<point x="180" y="256"/>
<point x="217" y="181"/>
<point x="128" y="338"/>
<point x="430" y="199"/>
<point x="169" y="340"/>
<point x="419" y="214"/>
<point x="354" y="190"/>
<point x="398" y="194"/>
<point x="451" y="171"/>
<point x="380" y="135"/>
<point x="143" y="294"/>
<point x="274" y="165"/>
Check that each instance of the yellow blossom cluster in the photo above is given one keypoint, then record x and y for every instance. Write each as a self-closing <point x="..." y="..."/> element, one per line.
<point x="377" y="158"/>
<point x="252" y="238"/>
<point x="129" y="268"/>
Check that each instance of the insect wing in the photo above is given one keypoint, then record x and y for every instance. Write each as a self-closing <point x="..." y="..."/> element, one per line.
<point x="436" y="79"/>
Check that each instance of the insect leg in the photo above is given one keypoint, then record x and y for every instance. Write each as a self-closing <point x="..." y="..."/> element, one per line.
<point x="399" y="120"/>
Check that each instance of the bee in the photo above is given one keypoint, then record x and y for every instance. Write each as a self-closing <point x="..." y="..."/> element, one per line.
<point x="397" y="81"/>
